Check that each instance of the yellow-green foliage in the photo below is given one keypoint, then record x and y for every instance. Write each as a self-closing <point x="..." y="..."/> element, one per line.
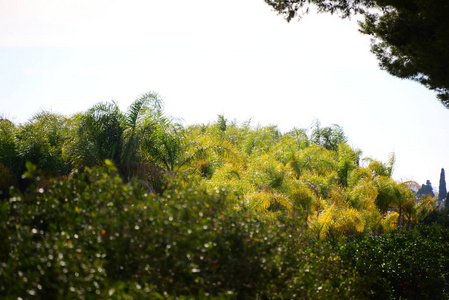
<point x="303" y="196"/>
<point x="337" y="217"/>
<point x="363" y="194"/>
<point x="309" y="175"/>
<point x="264" y="201"/>
<point x="232" y="178"/>
<point x="390" y="221"/>
<point x="324" y="187"/>
<point x="265" y="170"/>
<point x="179" y="212"/>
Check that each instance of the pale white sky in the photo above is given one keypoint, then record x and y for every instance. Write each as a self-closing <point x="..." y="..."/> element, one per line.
<point x="210" y="57"/>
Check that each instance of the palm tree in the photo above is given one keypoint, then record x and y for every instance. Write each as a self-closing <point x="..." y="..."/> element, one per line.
<point x="139" y="126"/>
<point x="382" y="169"/>
<point x="142" y="142"/>
<point x="304" y="197"/>
<point x="392" y="196"/>
<point x="10" y="166"/>
<point x="8" y="146"/>
<point x="174" y="148"/>
<point x="96" y="136"/>
<point x="328" y="137"/>
<point x="40" y="141"/>
<point x="348" y="160"/>
<point x="336" y="216"/>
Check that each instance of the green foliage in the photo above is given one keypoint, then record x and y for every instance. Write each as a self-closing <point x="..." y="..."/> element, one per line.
<point x="328" y="137"/>
<point x="348" y="160"/>
<point x="409" y="38"/>
<point x="440" y="217"/>
<point x="295" y="8"/>
<point x="40" y="141"/>
<point x="260" y="140"/>
<point x="7" y="179"/>
<point x="8" y="146"/>
<point x="410" y="265"/>
<point x="219" y="210"/>
<point x="93" y="236"/>
<point x="98" y="136"/>
<point x="425" y="190"/>
<point x="442" y="191"/>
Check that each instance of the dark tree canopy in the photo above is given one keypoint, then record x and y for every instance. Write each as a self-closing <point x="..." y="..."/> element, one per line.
<point x="345" y="8"/>
<point x="410" y="38"/>
<point x="442" y="191"/>
<point x="426" y="190"/>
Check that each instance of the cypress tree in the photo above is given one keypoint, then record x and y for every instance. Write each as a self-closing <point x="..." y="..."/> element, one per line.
<point x="442" y="192"/>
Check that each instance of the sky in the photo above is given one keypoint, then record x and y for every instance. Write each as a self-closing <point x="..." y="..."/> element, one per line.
<point x="206" y="58"/>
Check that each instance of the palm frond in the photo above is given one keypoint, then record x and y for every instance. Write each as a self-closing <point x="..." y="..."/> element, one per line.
<point x="390" y="165"/>
<point x="264" y="201"/>
<point x="390" y="221"/>
<point x="295" y="164"/>
<point x="136" y="108"/>
<point x="324" y="221"/>
<point x="149" y="101"/>
<point x="349" y="220"/>
<point x="223" y="150"/>
<point x="425" y="207"/>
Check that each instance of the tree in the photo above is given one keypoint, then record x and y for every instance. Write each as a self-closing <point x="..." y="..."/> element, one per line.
<point x="8" y="144"/>
<point x="393" y="195"/>
<point x="295" y="8"/>
<point x="139" y="127"/>
<point x="411" y="41"/>
<point x="348" y="160"/>
<point x="96" y="136"/>
<point x="425" y="190"/>
<point x="382" y="169"/>
<point x="442" y="192"/>
<point x="328" y="137"/>
<point x="9" y="163"/>
<point x="40" y="141"/>
<point x="409" y="38"/>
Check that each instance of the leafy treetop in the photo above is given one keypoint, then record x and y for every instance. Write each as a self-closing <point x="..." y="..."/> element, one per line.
<point x="409" y="38"/>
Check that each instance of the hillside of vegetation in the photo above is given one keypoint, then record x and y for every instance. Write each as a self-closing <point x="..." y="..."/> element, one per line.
<point x="112" y="204"/>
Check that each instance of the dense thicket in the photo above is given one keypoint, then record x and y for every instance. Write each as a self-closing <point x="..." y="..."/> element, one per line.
<point x="118" y="204"/>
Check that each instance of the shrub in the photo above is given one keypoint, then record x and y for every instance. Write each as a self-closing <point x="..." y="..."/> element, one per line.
<point x="409" y="265"/>
<point x="93" y="236"/>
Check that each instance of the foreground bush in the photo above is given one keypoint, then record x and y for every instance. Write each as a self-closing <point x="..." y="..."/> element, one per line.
<point x="409" y="265"/>
<point x="92" y="236"/>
